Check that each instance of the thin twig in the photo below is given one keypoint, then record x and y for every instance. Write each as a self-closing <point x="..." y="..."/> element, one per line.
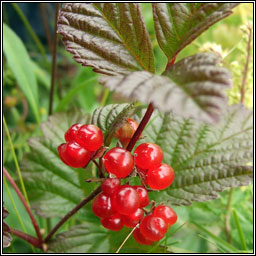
<point x="34" y="222"/>
<point x="126" y="239"/>
<point x="30" y="239"/>
<point x="245" y="72"/>
<point x="72" y="212"/>
<point x="101" y="174"/>
<point x="54" y="54"/>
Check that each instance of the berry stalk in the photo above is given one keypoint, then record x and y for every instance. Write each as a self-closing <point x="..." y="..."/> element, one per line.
<point x="72" y="212"/>
<point x="141" y="127"/>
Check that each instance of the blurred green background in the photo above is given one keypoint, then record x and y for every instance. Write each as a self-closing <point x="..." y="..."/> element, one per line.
<point x="211" y="226"/>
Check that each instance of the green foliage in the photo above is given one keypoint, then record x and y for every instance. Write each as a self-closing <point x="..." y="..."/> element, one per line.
<point x="205" y="159"/>
<point x="193" y="87"/>
<point x="178" y="24"/>
<point x="20" y="64"/>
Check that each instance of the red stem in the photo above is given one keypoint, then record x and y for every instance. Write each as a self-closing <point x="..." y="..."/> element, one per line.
<point x="72" y="212"/>
<point x="34" y="222"/>
<point x="30" y="239"/>
<point x="141" y="127"/>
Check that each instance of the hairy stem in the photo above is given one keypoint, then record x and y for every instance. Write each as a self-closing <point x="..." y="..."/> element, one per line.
<point x="245" y="72"/>
<point x="141" y="127"/>
<point x="30" y="239"/>
<point x="72" y="212"/>
<point x="34" y="222"/>
<point x="54" y="54"/>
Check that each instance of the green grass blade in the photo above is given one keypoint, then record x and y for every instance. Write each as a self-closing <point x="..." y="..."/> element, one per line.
<point x="225" y="245"/>
<point x="15" y="161"/>
<point x="240" y="231"/>
<point x="72" y="92"/>
<point x="30" y="31"/>
<point x="20" y="64"/>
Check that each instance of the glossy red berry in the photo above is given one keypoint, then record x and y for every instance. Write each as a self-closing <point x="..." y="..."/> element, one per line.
<point x="113" y="222"/>
<point x="148" y="155"/>
<point x="74" y="155"/>
<point x="90" y="137"/>
<point x="141" y="239"/>
<point x="72" y="132"/>
<point x="160" y="177"/>
<point x="119" y="162"/>
<point x="110" y="186"/>
<point x="133" y="219"/>
<point x="166" y="213"/>
<point x="125" y="133"/>
<point x="102" y="206"/>
<point x="153" y="228"/>
<point x="143" y="194"/>
<point x="126" y="200"/>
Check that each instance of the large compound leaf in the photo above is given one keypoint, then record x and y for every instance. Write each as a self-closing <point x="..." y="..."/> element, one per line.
<point x="110" y="37"/>
<point x="206" y="159"/>
<point x="93" y="238"/>
<point x="194" y="87"/>
<point x="178" y="24"/>
<point x="111" y="117"/>
<point x="53" y="187"/>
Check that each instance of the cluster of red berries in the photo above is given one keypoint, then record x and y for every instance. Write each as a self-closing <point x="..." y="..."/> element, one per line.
<point x="123" y="205"/>
<point x="82" y="142"/>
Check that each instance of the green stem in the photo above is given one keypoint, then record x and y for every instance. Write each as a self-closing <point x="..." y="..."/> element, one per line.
<point x="31" y="31"/>
<point x="105" y="97"/>
<point x="16" y="161"/>
<point x="240" y="231"/>
<point x="227" y="216"/>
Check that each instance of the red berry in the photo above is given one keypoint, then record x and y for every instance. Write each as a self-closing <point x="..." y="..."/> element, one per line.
<point x="102" y="206"/>
<point x="153" y="228"/>
<point x="72" y="132"/>
<point x="160" y="177"/>
<point x="125" y="133"/>
<point x="119" y="162"/>
<point x="110" y="186"/>
<point x="140" y="238"/>
<point x="148" y="155"/>
<point x="166" y="213"/>
<point x="113" y="222"/>
<point x="133" y="219"/>
<point x="126" y="200"/>
<point x="74" y="155"/>
<point x="143" y="194"/>
<point x="90" y="137"/>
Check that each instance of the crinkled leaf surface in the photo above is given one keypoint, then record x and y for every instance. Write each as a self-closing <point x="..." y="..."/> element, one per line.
<point x="194" y="87"/>
<point x="110" y="37"/>
<point x="93" y="238"/>
<point x="178" y="24"/>
<point x="206" y="159"/>
<point x="110" y="117"/>
<point x="53" y="187"/>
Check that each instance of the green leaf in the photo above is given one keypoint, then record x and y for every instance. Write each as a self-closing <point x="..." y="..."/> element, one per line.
<point x="110" y="37"/>
<point x="226" y="246"/>
<point x="194" y="87"/>
<point x="111" y="117"/>
<point x="206" y="159"/>
<point x="178" y="24"/>
<point x="53" y="187"/>
<point x="94" y="238"/>
<point x="22" y="68"/>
